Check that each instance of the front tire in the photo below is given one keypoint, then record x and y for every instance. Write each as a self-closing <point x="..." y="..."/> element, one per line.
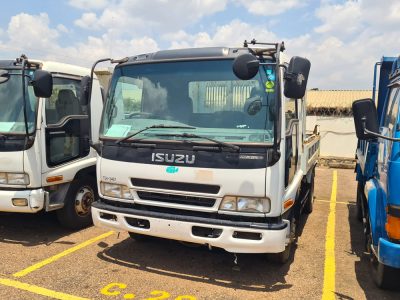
<point x="76" y="213"/>
<point x="385" y="277"/>
<point x="359" y="200"/>
<point x="283" y="257"/>
<point x="309" y="205"/>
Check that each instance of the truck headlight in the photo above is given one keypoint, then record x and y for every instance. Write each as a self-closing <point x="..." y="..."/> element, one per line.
<point x="115" y="190"/>
<point x="246" y="204"/>
<point x="14" y="178"/>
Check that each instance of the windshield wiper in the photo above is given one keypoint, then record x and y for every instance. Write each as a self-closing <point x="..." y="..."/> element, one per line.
<point x="196" y="136"/>
<point x="150" y="127"/>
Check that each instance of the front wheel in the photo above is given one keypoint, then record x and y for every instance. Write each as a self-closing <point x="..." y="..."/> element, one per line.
<point x="384" y="276"/>
<point x="76" y="213"/>
<point x="309" y="205"/>
<point x="283" y="257"/>
<point x="359" y="200"/>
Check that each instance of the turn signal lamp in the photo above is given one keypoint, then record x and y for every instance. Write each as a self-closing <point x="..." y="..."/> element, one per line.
<point x="19" y="201"/>
<point x="392" y="225"/>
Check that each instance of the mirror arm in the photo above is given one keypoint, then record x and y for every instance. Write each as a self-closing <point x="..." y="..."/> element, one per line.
<point x="24" y="60"/>
<point x="381" y="136"/>
<point x="113" y="61"/>
<point x="283" y="66"/>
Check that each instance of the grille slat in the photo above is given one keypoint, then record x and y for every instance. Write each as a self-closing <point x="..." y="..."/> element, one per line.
<point x="177" y="186"/>
<point x="177" y="199"/>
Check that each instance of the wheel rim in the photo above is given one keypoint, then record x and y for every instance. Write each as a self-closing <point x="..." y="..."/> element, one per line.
<point x="83" y="201"/>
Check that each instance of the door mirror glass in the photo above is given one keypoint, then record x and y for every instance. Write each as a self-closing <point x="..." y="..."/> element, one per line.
<point x="365" y="117"/>
<point x="42" y="84"/>
<point x="296" y="77"/>
<point x="4" y="76"/>
<point x="85" y="90"/>
<point x="245" y="66"/>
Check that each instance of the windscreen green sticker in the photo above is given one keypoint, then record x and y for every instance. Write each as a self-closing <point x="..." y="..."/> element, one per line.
<point x="6" y="126"/>
<point x="269" y="86"/>
<point x="118" y="130"/>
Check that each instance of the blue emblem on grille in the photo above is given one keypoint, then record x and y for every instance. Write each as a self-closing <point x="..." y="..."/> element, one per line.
<point x="172" y="170"/>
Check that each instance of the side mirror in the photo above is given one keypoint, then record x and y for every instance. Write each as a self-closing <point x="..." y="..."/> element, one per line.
<point x="365" y="118"/>
<point x="245" y="66"/>
<point x="42" y="83"/>
<point x="86" y="84"/>
<point x="296" y="77"/>
<point x="4" y="76"/>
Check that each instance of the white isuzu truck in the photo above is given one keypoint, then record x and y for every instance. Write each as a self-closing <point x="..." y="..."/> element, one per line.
<point x="46" y="162"/>
<point x="208" y="146"/>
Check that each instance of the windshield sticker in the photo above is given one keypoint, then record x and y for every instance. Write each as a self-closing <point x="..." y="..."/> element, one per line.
<point x="269" y="86"/>
<point x="6" y="126"/>
<point x="270" y="74"/>
<point x="118" y="130"/>
<point x="172" y="170"/>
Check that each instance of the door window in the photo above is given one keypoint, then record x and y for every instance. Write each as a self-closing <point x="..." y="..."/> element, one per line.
<point x="67" y="123"/>
<point x="64" y="100"/>
<point x="388" y="129"/>
<point x="292" y="131"/>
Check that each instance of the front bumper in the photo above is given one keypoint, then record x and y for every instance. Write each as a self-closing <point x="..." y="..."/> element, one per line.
<point x="36" y="200"/>
<point x="389" y="253"/>
<point x="233" y="236"/>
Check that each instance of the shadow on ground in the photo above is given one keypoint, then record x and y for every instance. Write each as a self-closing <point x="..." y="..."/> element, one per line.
<point x="253" y="272"/>
<point x="362" y="267"/>
<point x="31" y="229"/>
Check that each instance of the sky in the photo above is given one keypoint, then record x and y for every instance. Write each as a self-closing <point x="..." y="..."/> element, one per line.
<point x="342" y="39"/>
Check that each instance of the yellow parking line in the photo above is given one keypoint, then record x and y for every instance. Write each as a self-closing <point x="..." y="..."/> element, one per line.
<point x="337" y="202"/>
<point x="38" y="290"/>
<point x="62" y="254"/>
<point x="328" y="291"/>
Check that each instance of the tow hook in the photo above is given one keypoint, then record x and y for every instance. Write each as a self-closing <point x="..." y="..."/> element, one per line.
<point x="235" y="261"/>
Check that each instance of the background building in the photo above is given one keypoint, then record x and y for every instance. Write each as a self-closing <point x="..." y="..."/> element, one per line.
<point x="331" y="109"/>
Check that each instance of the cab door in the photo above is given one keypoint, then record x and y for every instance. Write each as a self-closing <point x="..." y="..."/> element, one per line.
<point x="66" y="134"/>
<point x="292" y="140"/>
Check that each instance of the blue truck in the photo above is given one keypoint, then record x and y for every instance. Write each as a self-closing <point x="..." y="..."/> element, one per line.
<point x="377" y="123"/>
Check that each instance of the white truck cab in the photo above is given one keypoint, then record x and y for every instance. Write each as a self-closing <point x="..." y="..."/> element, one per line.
<point x="46" y="162"/>
<point x="208" y="146"/>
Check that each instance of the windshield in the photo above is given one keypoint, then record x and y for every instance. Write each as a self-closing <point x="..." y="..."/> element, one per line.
<point x="11" y="105"/>
<point x="201" y="94"/>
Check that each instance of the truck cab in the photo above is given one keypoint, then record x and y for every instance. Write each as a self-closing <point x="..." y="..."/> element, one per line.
<point x="45" y="159"/>
<point x="378" y="168"/>
<point x="202" y="146"/>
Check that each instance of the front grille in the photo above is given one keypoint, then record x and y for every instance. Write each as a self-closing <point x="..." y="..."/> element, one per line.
<point x="177" y="186"/>
<point x="177" y="199"/>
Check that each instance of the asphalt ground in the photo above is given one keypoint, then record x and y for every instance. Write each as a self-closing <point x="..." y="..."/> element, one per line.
<point x="39" y="259"/>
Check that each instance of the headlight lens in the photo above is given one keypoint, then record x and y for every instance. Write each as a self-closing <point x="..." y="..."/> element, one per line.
<point x="14" y="178"/>
<point x="115" y="190"/>
<point x="246" y="204"/>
